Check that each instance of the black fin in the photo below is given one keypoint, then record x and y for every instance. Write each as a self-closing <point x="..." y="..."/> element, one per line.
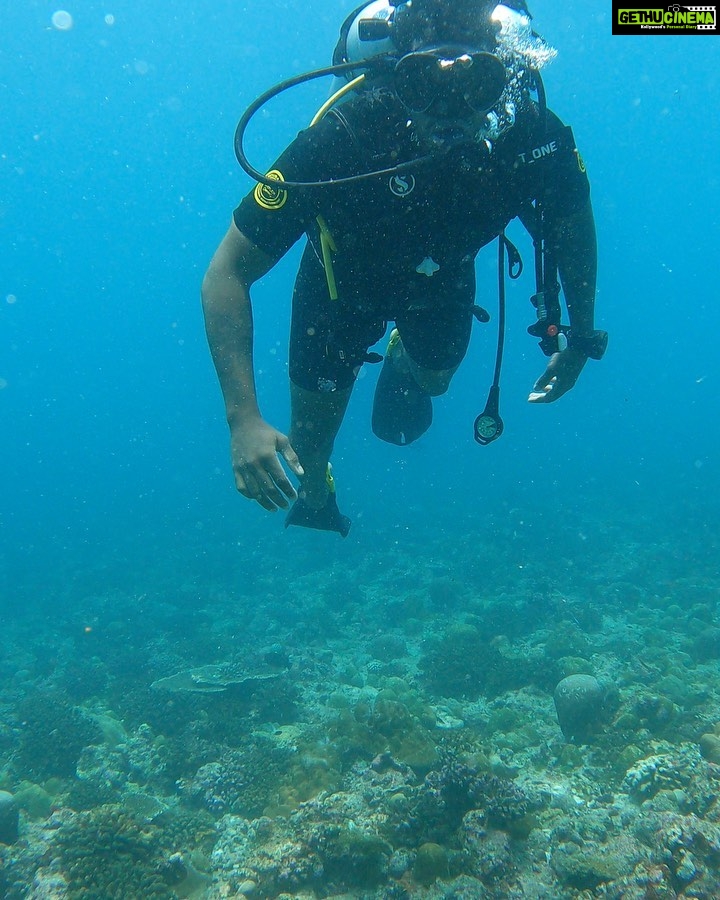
<point x="402" y="411"/>
<point x="328" y="518"/>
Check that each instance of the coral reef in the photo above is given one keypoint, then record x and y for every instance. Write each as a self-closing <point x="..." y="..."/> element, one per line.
<point x="9" y="818"/>
<point x="466" y="662"/>
<point x="243" y="781"/>
<point x="451" y="791"/>
<point x="388" y="723"/>
<point x="108" y="855"/>
<point x="579" y="702"/>
<point x="53" y="735"/>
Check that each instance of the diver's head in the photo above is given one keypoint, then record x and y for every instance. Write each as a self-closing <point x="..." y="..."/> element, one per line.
<point x="466" y="65"/>
<point x="397" y="27"/>
<point x="448" y="91"/>
<point x="421" y="23"/>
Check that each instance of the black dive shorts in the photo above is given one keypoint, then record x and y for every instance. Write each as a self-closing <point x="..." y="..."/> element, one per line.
<point x="329" y="339"/>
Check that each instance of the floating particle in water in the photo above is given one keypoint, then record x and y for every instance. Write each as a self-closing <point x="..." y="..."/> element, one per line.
<point x="109" y="19"/>
<point x="62" y="20"/>
<point x="3" y="384"/>
<point x="11" y="298"/>
<point x="141" y="67"/>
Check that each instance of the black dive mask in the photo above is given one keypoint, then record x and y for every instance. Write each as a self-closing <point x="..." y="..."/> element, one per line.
<point x="449" y="82"/>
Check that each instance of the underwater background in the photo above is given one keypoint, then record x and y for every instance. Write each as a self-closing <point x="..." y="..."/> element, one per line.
<point x="195" y="702"/>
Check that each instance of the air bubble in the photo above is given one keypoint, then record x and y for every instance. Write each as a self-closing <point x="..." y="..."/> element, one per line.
<point x="62" y="20"/>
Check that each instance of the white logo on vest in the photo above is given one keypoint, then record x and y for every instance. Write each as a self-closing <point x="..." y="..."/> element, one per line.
<point x="402" y="185"/>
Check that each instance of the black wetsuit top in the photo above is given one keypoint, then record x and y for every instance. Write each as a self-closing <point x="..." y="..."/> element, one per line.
<point x="405" y="242"/>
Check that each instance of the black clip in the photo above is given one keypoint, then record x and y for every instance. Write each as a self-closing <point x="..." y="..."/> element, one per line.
<point x="514" y="260"/>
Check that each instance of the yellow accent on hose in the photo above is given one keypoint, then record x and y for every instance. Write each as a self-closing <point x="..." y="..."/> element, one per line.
<point x="327" y="242"/>
<point x="327" y="245"/>
<point x="329" y="480"/>
<point x="338" y="95"/>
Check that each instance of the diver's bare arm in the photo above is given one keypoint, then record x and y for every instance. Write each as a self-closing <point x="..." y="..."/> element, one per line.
<point x="237" y="263"/>
<point x="254" y="444"/>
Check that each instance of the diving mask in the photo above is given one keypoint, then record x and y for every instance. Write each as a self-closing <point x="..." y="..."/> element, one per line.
<point x="449" y="81"/>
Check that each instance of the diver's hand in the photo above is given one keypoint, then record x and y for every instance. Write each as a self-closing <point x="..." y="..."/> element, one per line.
<point x="559" y="377"/>
<point x="259" y="474"/>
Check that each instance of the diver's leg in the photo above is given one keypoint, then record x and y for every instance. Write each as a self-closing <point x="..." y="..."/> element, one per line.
<point x="432" y="381"/>
<point x="424" y="352"/>
<point x="402" y="410"/>
<point x="315" y="421"/>
<point x="320" y="385"/>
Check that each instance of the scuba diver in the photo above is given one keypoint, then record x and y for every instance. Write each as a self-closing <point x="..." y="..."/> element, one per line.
<point x="438" y="137"/>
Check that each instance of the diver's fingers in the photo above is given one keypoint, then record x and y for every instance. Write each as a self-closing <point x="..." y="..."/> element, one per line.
<point x="290" y="456"/>
<point x="542" y="389"/>
<point x="261" y="487"/>
<point x="275" y="484"/>
<point x="545" y="381"/>
<point x="538" y="396"/>
<point x="242" y="486"/>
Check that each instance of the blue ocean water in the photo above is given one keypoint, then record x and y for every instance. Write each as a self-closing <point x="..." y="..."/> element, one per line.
<point x="117" y="181"/>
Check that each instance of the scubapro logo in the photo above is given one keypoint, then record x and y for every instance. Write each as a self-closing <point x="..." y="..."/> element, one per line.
<point x="402" y="185"/>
